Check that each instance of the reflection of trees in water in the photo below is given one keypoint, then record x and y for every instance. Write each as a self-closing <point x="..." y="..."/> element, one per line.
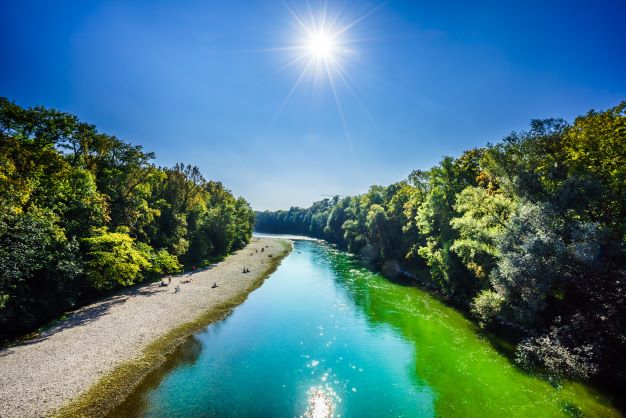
<point x="352" y="278"/>
<point x="185" y="354"/>
<point x="381" y="304"/>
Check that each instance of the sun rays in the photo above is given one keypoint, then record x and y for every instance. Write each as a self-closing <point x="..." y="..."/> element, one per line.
<point x="322" y="50"/>
<point x="322" y="42"/>
<point x="322" y="46"/>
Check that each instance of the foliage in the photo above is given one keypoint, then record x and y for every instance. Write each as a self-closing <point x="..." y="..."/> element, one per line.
<point x="483" y="219"/>
<point x="163" y="262"/>
<point x="528" y="233"/>
<point x="82" y="212"/>
<point x="487" y="305"/>
<point x="38" y="268"/>
<point x="113" y="258"/>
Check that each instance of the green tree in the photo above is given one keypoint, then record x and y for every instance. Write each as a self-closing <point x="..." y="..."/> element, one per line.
<point x="82" y="212"/>
<point x="112" y="259"/>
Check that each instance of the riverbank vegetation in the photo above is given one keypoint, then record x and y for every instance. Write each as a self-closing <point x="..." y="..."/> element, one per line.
<point x="109" y="395"/>
<point x="83" y="213"/>
<point x="528" y="234"/>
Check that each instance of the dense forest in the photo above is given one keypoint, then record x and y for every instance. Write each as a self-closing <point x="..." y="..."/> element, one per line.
<point x="528" y="234"/>
<point x="83" y="213"/>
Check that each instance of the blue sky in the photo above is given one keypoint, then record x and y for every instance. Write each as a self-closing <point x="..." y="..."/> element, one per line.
<point x="205" y="82"/>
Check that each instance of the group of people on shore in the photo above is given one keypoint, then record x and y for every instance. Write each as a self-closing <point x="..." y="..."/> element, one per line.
<point x="168" y="281"/>
<point x="189" y="279"/>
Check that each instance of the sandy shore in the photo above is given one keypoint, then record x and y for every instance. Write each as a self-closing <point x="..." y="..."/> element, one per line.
<point x="39" y="376"/>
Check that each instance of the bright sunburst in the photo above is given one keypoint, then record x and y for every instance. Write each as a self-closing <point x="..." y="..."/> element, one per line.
<point x="323" y="47"/>
<point x="322" y="44"/>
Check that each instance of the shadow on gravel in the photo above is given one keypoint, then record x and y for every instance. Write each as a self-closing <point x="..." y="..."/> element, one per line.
<point x="84" y="315"/>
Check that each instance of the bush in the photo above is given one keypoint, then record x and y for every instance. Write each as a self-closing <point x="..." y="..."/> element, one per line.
<point x="37" y="269"/>
<point x="486" y="306"/>
<point x="548" y="352"/>
<point x="161" y="262"/>
<point x="113" y="260"/>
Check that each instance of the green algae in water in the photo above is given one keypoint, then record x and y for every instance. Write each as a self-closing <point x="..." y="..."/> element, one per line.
<point x="326" y="335"/>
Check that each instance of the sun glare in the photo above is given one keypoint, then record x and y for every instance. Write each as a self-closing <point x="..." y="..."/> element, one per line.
<point x="323" y="49"/>
<point x="321" y="45"/>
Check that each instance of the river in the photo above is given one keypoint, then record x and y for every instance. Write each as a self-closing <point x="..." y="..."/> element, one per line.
<point x="325" y="336"/>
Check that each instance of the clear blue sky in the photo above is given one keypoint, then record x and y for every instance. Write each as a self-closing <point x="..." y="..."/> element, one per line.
<point x="195" y="82"/>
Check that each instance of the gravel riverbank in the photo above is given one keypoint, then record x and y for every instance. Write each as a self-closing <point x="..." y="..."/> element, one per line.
<point x="39" y="376"/>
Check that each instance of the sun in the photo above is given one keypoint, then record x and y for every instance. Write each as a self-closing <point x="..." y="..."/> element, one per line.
<point x="324" y="49"/>
<point x="321" y="46"/>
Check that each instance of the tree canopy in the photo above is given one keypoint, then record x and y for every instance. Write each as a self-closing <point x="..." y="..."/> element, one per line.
<point x="83" y="212"/>
<point x="529" y="234"/>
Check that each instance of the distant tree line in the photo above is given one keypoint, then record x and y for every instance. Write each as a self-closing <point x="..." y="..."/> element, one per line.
<point x="83" y="213"/>
<point x="529" y="234"/>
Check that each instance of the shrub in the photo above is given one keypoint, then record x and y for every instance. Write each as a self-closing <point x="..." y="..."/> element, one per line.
<point x="113" y="260"/>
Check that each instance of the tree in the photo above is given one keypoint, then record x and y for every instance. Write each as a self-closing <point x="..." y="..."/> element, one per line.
<point x="529" y="233"/>
<point x="82" y="212"/>
<point x="113" y="258"/>
<point x="484" y="217"/>
<point x="38" y="267"/>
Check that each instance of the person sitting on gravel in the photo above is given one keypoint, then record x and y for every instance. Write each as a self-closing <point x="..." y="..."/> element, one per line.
<point x="177" y="289"/>
<point x="214" y="285"/>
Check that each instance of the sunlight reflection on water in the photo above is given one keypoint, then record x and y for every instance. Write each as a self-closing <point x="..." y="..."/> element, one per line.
<point x="381" y="341"/>
<point x="321" y="402"/>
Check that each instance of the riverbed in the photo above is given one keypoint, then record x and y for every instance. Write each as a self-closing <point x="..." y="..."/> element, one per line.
<point x="325" y="336"/>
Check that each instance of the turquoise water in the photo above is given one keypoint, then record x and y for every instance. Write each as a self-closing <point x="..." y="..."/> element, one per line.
<point x="324" y="336"/>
